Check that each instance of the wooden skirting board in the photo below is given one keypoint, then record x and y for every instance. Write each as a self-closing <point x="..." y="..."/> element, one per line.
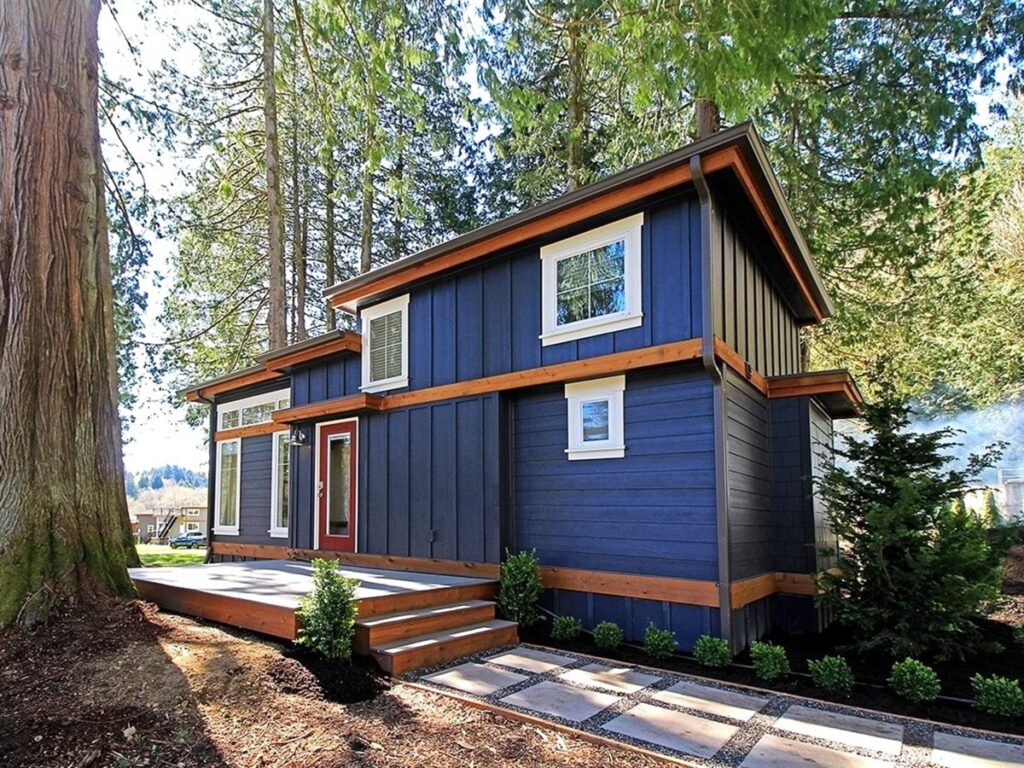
<point x="659" y="588"/>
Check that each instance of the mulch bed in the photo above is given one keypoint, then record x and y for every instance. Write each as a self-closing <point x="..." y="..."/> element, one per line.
<point x="955" y="676"/>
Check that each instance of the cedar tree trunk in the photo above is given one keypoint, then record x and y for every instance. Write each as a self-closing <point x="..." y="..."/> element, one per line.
<point x="64" y="530"/>
<point x="276" y="322"/>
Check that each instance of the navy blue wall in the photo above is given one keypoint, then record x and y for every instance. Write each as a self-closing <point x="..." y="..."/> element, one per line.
<point x="651" y="512"/>
<point x="254" y="499"/>
<point x="335" y="377"/>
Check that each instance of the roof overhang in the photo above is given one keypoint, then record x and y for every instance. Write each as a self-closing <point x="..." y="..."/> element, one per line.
<point x="737" y="149"/>
<point x="836" y="391"/>
<point x="274" y="365"/>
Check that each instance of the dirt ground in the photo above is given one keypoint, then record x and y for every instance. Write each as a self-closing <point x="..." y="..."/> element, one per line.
<point x="127" y="685"/>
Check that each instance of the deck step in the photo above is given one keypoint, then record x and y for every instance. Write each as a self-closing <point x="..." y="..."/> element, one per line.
<point x="425" y="598"/>
<point x="436" y="647"/>
<point x="391" y="627"/>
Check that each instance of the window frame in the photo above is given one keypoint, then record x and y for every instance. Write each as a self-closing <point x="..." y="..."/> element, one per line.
<point x="218" y="528"/>
<point x="237" y="406"/>
<point x="276" y="531"/>
<point x="578" y="393"/>
<point x="398" y="304"/>
<point x="627" y="229"/>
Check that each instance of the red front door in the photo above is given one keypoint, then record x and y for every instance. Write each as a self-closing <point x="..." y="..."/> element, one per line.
<point x="336" y="487"/>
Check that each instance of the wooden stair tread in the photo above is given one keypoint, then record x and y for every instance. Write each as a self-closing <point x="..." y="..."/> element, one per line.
<point x="433" y="610"/>
<point x="418" y="643"/>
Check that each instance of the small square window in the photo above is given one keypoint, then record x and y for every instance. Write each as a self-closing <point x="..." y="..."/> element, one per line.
<point x="229" y="420"/>
<point x="595" y="418"/>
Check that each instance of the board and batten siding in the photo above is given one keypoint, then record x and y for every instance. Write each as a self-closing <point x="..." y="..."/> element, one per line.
<point x="325" y="380"/>
<point x="751" y="315"/>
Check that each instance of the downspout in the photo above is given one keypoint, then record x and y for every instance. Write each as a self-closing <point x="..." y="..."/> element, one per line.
<point x="211" y="475"/>
<point x="708" y="247"/>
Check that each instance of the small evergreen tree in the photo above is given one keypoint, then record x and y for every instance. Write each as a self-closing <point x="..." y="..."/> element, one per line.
<point x="990" y="513"/>
<point x="915" y="569"/>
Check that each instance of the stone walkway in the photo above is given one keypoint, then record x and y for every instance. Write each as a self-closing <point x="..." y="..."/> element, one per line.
<point x="710" y="724"/>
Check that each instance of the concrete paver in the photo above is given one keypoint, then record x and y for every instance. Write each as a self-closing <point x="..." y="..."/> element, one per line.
<point x="684" y="733"/>
<point x="476" y="678"/>
<point x="966" y="752"/>
<point x="863" y="732"/>
<point x="714" y="701"/>
<point x="531" y="660"/>
<point x="619" y="679"/>
<point x="563" y="701"/>
<point x="778" y="752"/>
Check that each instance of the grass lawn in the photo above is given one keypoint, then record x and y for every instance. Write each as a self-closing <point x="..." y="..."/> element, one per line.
<point x="161" y="554"/>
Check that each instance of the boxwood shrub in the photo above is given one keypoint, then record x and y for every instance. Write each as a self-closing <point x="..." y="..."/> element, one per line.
<point x="566" y="628"/>
<point x="915" y="681"/>
<point x="998" y="695"/>
<point x="770" y="660"/>
<point x="608" y="635"/>
<point x="712" y="651"/>
<point x="659" y="643"/>
<point x="831" y="673"/>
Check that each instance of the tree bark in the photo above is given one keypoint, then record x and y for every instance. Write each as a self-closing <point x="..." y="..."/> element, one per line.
<point x="330" y="259"/>
<point x="709" y="120"/>
<point x="576" y="108"/>
<point x="366" y="214"/>
<point x="298" y="239"/>
<point x="276" y="318"/>
<point x="64" y="529"/>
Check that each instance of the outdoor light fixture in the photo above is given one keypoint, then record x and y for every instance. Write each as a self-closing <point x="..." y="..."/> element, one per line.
<point x="298" y="436"/>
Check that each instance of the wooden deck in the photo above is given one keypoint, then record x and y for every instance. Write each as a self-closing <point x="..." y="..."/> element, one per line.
<point x="403" y="606"/>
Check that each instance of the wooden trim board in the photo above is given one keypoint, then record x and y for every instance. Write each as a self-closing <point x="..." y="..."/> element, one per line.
<point x="337" y="406"/>
<point x="349" y="341"/>
<point x="250" y="431"/>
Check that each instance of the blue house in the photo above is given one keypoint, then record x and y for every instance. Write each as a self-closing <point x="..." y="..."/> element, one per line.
<point x="613" y="379"/>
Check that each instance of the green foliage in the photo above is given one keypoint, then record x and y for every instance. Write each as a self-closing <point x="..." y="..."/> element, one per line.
<point x="990" y="513"/>
<point x="566" y="628"/>
<point x="998" y="695"/>
<point x="769" y="660"/>
<point x="521" y="587"/>
<point x="327" y="614"/>
<point x="831" y="673"/>
<point x="913" y="571"/>
<point x="914" y="681"/>
<point x="659" y="643"/>
<point x="712" y="651"/>
<point x="608" y="635"/>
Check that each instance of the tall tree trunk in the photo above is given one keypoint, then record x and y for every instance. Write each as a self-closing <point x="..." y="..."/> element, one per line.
<point x="576" y="108"/>
<point x="366" y="215"/>
<point x="708" y="116"/>
<point x="276" y="319"/>
<point x="64" y="529"/>
<point x="329" y="247"/>
<point x="298" y="246"/>
<point x="300" y="268"/>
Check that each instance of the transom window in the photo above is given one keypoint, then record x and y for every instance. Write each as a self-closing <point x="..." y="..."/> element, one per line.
<point x="385" y="354"/>
<point x="592" y="282"/>
<point x="252" y="410"/>
<point x="229" y="464"/>
<point x="595" y="418"/>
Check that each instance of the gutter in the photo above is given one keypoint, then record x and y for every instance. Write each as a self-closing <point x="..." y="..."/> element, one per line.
<point x="708" y="243"/>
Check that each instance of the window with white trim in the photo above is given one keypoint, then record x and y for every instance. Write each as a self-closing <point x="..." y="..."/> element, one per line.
<point x="596" y="428"/>
<point x="385" y="351"/>
<point x="229" y="471"/>
<point x="252" y="410"/>
<point x="191" y="527"/>
<point x="279" y="486"/>
<point x="592" y="282"/>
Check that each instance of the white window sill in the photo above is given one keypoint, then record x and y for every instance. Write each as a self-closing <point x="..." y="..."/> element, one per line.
<point x="225" y="531"/>
<point x="603" y="452"/>
<point x="382" y="386"/>
<point x="281" y="534"/>
<point x="588" y="328"/>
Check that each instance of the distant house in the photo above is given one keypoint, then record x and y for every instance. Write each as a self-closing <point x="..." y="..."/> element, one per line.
<point x="613" y="379"/>
<point x="162" y="524"/>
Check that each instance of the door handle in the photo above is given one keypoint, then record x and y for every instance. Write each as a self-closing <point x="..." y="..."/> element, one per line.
<point x="320" y="490"/>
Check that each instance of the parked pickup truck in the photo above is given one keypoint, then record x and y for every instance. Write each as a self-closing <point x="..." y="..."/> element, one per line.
<point x="192" y="540"/>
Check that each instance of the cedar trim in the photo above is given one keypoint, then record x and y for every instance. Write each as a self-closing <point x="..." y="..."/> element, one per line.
<point x="726" y="158"/>
<point x="594" y="207"/>
<point x="252" y="430"/>
<point x="205" y="392"/>
<point x="746" y="591"/>
<point x="347" y="342"/>
<point x="741" y="367"/>
<point x="836" y="390"/>
<point x="731" y="157"/>
<point x="259" y="551"/>
<point x="660" y="588"/>
<point x="337" y="406"/>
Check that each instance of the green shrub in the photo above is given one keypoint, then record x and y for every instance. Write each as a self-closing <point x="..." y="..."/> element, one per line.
<point x="521" y="587"/>
<point x="770" y="660"/>
<point x="998" y="695"/>
<point x="327" y="614"/>
<point x="914" y="681"/>
<point x="831" y="673"/>
<point x="608" y="635"/>
<point x="566" y="628"/>
<point x="712" y="651"/>
<point x="916" y="570"/>
<point x="659" y="643"/>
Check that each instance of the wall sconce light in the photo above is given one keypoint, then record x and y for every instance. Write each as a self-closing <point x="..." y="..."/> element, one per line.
<point x="298" y="436"/>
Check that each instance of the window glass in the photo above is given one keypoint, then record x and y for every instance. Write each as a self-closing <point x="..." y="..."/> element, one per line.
<point x="386" y="346"/>
<point x="591" y="284"/>
<point x="339" y="484"/>
<point x="282" y="404"/>
<point x="281" y="491"/>
<point x="229" y="420"/>
<point x="227" y="513"/>
<point x="257" y="414"/>
<point x="595" y="420"/>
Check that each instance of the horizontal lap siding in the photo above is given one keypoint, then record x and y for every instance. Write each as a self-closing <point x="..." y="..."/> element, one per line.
<point x="792" y="515"/>
<point x="751" y="315"/>
<point x="254" y="501"/>
<point x="429" y="481"/>
<point x="652" y="512"/>
<point x="749" y="477"/>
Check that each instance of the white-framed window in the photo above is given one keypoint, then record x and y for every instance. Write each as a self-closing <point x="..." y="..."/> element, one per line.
<point x="150" y="528"/>
<point x="385" y="349"/>
<point x="279" y="486"/>
<point x="191" y="527"/>
<point x="252" y="410"/>
<point x="596" y="419"/>
<point x="229" y="487"/>
<point x="592" y="283"/>
<point x="192" y="512"/>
